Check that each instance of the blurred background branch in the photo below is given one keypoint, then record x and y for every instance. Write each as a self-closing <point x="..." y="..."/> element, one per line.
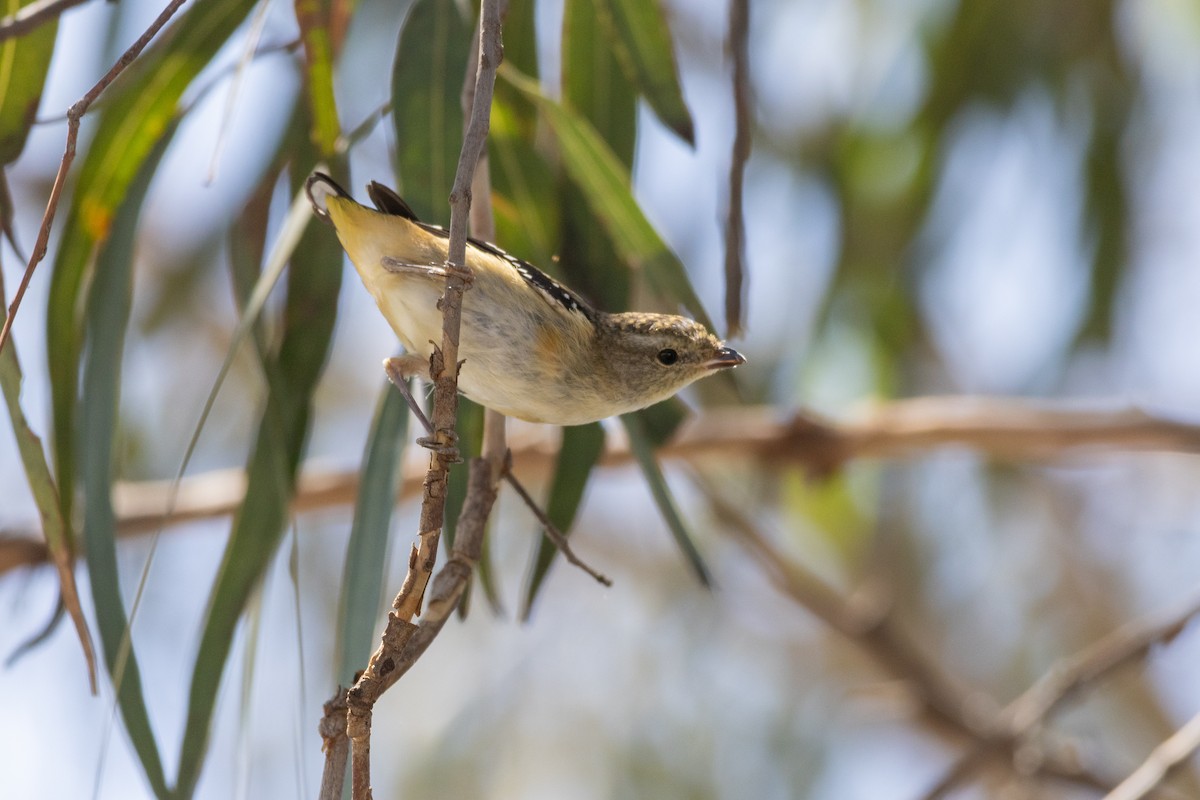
<point x="1000" y="428"/>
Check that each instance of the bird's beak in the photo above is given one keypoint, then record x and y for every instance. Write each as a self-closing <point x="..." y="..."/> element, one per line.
<point x="726" y="357"/>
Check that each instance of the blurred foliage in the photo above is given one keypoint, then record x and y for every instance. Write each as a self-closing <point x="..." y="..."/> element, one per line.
<point x="562" y="157"/>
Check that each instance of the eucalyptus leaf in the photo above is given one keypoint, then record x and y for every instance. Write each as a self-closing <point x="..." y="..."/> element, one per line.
<point x="604" y="182"/>
<point x="643" y="44"/>
<point x="366" y="552"/>
<point x="427" y="81"/>
<point x="109" y="302"/>
<point x="641" y="444"/>
<point x="24" y="61"/>
<point x="138" y="110"/>
<point x="310" y="310"/>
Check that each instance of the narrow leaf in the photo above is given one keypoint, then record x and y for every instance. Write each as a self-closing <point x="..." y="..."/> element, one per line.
<point x="642" y="42"/>
<point x="427" y="81"/>
<point x="59" y="540"/>
<point x="582" y="446"/>
<point x="318" y="57"/>
<point x="24" y="61"/>
<point x="366" y="561"/>
<point x="107" y="319"/>
<point x="138" y="110"/>
<point x="641" y="445"/>
<point x="660" y="421"/>
<point x="594" y="86"/>
<point x="314" y="279"/>
<point x="470" y="444"/>
<point x="525" y="201"/>
<point x="604" y="181"/>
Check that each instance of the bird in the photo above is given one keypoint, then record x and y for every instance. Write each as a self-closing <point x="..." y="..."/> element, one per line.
<point x="530" y="347"/>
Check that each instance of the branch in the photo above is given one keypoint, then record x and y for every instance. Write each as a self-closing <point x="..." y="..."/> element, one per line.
<point x="403" y="641"/>
<point x="1001" y="428"/>
<point x="735" y="224"/>
<point x="551" y="530"/>
<point x="865" y="621"/>
<point x="1166" y="757"/>
<point x="1013" y="726"/>
<point x="74" y="115"/>
<point x="32" y="16"/>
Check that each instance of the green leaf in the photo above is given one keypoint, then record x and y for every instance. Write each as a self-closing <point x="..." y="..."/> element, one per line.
<point x="366" y="552"/>
<point x="604" y="181"/>
<point x="525" y="201"/>
<point x="469" y="426"/>
<point x="594" y="84"/>
<point x="312" y="17"/>
<point x="582" y="446"/>
<point x="314" y="280"/>
<point x="138" y="109"/>
<point x="470" y="444"/>
<point x="59" y="538"/>
<point x="427" y="81"/>
<point x="595" y="87"/>
<point x="24" y="61"/>
<point x="642" y="42"/>
<point x="660" y="421"/>
<point x="33" y="459"/>
<point x="641" y="444"/>
<point x="109" y="302"/>
<point x="1107" y="209"/>
<point x="247" y="246"/>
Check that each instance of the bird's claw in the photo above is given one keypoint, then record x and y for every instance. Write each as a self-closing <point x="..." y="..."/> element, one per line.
<point x="447" y="449"/>
<point x="463" y="273"/>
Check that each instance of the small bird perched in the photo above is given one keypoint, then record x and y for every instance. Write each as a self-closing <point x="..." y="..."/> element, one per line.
<point x="532" y="348"/>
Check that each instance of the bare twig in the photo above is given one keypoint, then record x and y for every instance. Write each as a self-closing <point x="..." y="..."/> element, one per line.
<point x="33" y="15"/>
<point x="997" y="427"/>
<point x="735" y="223"/>
<point x="865" y="621"/>
<point x="1012" y="727"/>
<point x="552" y="531"/>
<point x="74" y="115"/>
<point x="257" y="24"/>
<point x="336" y="746"/>
<point x="1162" y="760"/>
<point x="403" y="641"/>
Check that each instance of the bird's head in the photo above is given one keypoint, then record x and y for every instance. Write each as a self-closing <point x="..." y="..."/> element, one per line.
<point x="649" y="357"/>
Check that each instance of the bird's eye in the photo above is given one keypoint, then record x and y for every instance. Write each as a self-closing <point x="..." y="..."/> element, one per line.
<point x="667" y="357"/>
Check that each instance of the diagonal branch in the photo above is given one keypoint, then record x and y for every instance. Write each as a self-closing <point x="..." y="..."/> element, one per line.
<point x="1001" y="428"/>
<point x="33" y="16"/>
<point x="1015" y="724"/>
<point x="404" y="641"/>
<point x="74" y="116"/>
<point x="1168" y="756"/>
<point x="866" y="622"/>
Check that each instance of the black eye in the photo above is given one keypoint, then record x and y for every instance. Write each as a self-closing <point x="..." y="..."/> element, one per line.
<point x="667" y="357"/>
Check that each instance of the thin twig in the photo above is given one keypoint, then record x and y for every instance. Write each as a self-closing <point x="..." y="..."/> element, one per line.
<point x="34" y="15"/>
<point x="1024" y="715"/>
<point x="257" y="24"/>
<point x="1162" y="760"/>
<point x="997" y="427"/>
<point x="866" y="621"/>
<point x="74" y="115"/>
<point x="735" y="224"/>
<point x="335" y="745"/>
<point x="403" y="641"/>
<point x="552" y="531"/>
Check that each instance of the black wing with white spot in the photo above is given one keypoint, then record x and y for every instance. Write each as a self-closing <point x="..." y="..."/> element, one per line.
<point x="387" y="201"/>
<point x="547" y="286"/>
